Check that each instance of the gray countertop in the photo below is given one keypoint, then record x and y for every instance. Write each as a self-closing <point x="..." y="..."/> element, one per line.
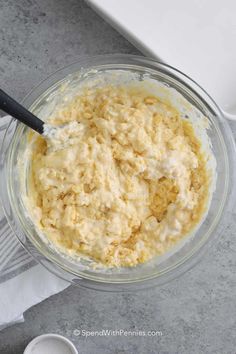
<point x="195" y="313"/>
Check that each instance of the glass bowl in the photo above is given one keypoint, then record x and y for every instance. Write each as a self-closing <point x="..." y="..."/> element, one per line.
<point x="161" y="269"/>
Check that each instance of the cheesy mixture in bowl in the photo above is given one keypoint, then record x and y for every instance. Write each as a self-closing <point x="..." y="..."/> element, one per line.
<point x="123" y="182"/>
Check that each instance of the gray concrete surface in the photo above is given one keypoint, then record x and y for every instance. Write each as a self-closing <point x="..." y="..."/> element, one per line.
<point x="195" y="313"/>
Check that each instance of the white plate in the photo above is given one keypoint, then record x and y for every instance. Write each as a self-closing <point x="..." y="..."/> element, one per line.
<point x="197" y="37"/>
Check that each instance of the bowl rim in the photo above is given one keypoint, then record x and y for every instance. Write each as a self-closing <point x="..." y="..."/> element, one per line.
<point x="57" y="337"/>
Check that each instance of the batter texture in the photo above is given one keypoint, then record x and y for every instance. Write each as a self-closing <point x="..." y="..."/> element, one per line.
<point x="123" y="181"/>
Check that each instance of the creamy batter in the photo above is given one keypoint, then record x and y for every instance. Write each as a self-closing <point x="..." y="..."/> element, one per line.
<point x="123" y="181"/>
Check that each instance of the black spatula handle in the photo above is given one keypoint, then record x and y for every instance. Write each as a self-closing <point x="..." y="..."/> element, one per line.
<point x="16" y="110"/>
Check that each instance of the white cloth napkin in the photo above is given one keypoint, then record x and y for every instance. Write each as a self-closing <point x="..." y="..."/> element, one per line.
<point x="25" y="290"/>
<point x="23" y="282"/>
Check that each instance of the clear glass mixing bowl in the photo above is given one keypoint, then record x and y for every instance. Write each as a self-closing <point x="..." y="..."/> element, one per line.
<point x="161" y="269"/>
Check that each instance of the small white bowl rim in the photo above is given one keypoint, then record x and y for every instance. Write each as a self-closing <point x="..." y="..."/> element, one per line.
<point x="28" y="349"/>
